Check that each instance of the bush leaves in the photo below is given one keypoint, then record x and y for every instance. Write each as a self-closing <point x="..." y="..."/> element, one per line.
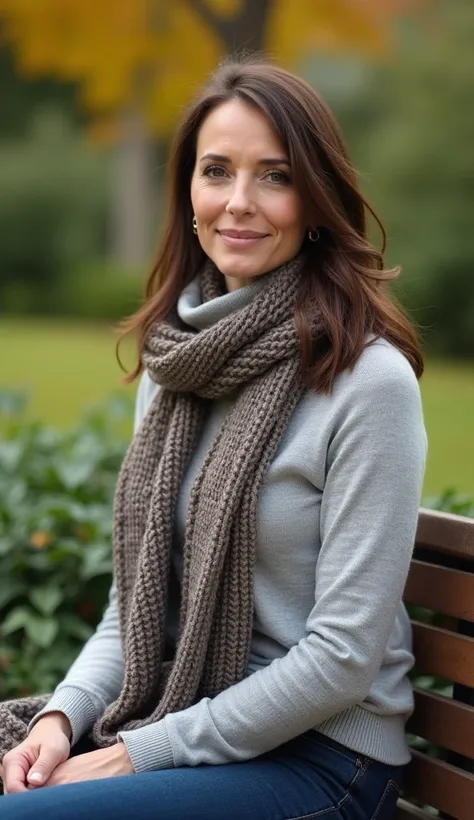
<point x="56" y="500"/>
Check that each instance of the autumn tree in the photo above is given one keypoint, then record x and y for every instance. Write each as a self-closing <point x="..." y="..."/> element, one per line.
<point x="138" y="62"/>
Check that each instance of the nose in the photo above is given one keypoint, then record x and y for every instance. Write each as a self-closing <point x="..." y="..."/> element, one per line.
<point x="241" y="201"/>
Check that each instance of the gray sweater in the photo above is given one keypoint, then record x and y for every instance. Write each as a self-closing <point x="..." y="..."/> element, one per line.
<point x="331" y="642"/>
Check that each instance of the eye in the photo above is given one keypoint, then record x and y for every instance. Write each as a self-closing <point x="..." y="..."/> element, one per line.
<point x="278" y="177"/>
<point x="214" y="171"/>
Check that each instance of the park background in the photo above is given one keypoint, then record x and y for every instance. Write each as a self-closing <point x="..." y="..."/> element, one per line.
<point x="90" y="95"/>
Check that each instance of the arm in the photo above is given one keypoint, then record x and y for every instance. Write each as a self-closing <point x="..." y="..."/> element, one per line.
<point x="375" y="464"/>
<point x="95" y="678"/>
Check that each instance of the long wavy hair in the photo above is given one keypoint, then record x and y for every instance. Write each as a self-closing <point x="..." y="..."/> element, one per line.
<point x="344" y="287"/>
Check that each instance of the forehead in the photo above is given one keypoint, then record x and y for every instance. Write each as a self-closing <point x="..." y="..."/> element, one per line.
<point x="237" y="126"/>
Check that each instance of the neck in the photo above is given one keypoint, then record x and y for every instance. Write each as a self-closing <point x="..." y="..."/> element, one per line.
<point x="232" y="283"/>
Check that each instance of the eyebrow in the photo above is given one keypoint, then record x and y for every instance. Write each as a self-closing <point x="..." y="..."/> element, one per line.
<point x="263" y="161"/>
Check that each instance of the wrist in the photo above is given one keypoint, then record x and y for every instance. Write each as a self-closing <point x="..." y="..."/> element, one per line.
<point x="120" y="752"/>
<point x="58" y="719"/>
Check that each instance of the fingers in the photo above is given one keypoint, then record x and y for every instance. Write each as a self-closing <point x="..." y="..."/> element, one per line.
<point x="15" y="768"/>
<point x="43" y="767"/>
<point x="22" y="771"/>
<point x="30" y="764"/>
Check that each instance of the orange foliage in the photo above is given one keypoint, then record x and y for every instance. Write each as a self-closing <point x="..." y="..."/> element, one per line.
<point x="154" y="53"/>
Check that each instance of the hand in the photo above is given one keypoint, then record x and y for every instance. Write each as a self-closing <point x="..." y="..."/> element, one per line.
<point x="31" y="763"/>
<point x="111" y="762"/>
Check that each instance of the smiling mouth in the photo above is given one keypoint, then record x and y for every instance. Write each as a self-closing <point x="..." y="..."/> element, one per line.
<point x="241" y="239"/>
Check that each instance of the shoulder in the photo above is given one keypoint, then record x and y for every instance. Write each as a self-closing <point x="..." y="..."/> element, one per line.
<point x="379" y="400"/>
<point x="380" y="392"/>
<point x="381" y="374"/>
<point x="373" y="412"/>
<point x="377" y="410"/>
<point x="147" y="390"/>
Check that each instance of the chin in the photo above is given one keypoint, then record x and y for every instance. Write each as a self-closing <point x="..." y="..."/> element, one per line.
<point x="240" y="268"/>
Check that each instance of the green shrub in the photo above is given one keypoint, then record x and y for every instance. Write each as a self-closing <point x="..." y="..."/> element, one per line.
<point x="56" y="492"/>
<point x="98" y="290"/>
<point x="418" y="160"/>
<point x="451" y="501"/>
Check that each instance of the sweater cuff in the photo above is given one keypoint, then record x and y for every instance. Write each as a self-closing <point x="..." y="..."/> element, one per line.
<point x="76" y="705"/>
<point x="149" y="747"/>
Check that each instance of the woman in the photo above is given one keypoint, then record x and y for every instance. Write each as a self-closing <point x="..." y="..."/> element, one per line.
<point x="252" y="661"/>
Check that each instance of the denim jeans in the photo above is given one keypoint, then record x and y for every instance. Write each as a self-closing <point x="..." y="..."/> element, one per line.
<point x="309" y="777"/>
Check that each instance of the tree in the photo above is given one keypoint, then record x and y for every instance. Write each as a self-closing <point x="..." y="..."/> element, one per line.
<point x="22" y="99"/>
<point x="138" y="62"/>
<point x="418" y="165"/>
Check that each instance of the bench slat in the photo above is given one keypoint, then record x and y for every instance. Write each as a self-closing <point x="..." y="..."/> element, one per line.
<point x="405" y="811"/>
<point x="443" y="721"/>
<point x="442" y="537"/>
<point x="445" y="532"/>
<point x="449" y="591"/>
<point x="443" y="653"/>
<point x="438" y="784"/>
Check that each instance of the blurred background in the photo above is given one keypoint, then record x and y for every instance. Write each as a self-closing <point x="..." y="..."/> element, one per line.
<point x="90" y="94"/>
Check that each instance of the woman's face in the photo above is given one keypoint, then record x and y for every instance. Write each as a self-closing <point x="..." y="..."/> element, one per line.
<point x="248" y="212"/>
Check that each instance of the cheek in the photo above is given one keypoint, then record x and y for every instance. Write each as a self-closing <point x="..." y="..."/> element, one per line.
<point x="289" y="216"/>
<point x="206" y="203"/>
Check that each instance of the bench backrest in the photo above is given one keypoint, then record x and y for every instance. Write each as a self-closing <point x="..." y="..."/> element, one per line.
<point x="441" y="580"/>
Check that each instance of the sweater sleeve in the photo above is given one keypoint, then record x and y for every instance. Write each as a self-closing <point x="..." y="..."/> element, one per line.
<point x="96" y="676"/>
<point x="375" y="460"/>
<point x="94" y="679"/>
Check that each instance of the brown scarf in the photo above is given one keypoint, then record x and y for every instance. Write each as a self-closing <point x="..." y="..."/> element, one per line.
<point x="254" y="351"/>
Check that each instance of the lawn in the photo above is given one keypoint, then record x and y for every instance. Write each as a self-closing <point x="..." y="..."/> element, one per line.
<point x="66" y="366"/>
<point x="69" y="366"/>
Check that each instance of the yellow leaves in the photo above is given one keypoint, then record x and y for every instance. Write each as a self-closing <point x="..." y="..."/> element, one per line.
<point x="155" y="53"/>
<point x="40" y="540"/>
<point x="329" y="25"/>
<point x="188" y="54"/>
<point x="83" y="533"/>
<point x="226" y="8"/>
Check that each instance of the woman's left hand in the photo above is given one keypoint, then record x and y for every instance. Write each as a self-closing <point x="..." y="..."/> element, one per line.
<point x="111" y="762"/>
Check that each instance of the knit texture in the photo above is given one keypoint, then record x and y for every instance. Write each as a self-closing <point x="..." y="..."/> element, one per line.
<point x="255" y="351"/>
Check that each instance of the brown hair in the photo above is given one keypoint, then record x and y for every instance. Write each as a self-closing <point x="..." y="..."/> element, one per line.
<point x="344" y="283"/>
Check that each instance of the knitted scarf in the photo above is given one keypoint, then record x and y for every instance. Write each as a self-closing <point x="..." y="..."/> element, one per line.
<point x="255" y="352"/>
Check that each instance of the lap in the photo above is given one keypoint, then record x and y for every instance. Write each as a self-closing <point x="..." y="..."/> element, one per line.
<point x="309" y="777"/>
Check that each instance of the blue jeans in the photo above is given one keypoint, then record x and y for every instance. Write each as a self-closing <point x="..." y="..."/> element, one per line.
<point x="309" y="777"/>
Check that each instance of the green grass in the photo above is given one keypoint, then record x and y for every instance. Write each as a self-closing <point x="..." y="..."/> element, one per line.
<point x="448" y="399"/>
<point x="68" y="366"/>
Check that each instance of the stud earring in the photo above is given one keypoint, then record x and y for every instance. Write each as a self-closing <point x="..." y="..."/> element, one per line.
<point x="195" y="225"/>
<point x="313" y="236"/>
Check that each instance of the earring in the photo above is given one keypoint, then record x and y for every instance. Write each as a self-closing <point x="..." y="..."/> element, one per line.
<point x="313" y="236"/>
<point x="195" y="225"/>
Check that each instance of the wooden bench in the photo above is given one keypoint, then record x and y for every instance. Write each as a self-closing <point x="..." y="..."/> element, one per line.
<point x="442" y="580"/>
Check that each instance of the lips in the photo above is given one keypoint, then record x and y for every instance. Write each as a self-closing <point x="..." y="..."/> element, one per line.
<point x="234" y="234"/>
<point x="241" y="240"/>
